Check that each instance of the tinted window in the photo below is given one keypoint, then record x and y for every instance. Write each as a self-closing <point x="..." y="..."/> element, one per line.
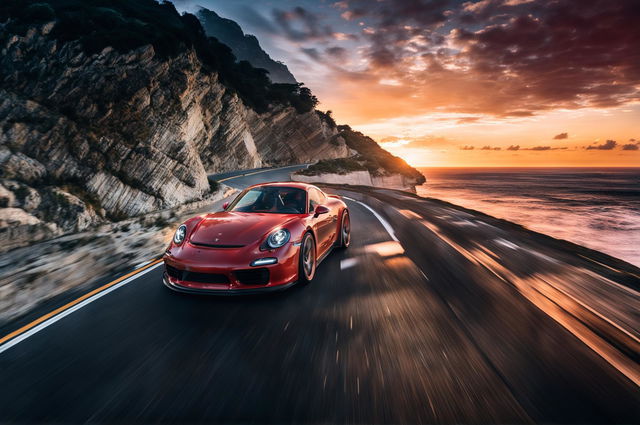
<point x="271" y="199"/>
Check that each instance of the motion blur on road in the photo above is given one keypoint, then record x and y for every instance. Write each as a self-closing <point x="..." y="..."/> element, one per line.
<point x="434" y="314"/>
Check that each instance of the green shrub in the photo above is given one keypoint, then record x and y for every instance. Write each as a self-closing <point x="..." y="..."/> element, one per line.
<point x="377" y="159"/>
<point x="334" y="166"/>
<point x="214" y="186"/>
<point x="327" y="118"/>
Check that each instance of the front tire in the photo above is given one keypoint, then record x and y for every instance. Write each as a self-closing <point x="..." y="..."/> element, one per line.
<point x="308" y="261"/>
<point x="345" y="230"/>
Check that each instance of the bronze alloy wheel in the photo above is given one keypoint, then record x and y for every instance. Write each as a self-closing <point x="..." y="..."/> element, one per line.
<point x="345" y="230"/>
<point x="307" y="258"/>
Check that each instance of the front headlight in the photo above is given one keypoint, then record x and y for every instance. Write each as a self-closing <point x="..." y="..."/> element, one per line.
<point x="178" y="238"/>
<point x="278" y="238"/>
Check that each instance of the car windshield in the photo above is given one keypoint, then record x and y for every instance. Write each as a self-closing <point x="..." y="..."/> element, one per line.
<point x="271" y="199"/>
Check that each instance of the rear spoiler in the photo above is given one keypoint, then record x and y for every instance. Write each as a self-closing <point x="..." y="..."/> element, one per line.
<point x="335" y="196"/>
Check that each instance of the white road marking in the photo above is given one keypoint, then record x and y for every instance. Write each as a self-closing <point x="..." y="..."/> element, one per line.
<point x="382" y="221"/>
<point x="542" y="256"/>
<point x="464" y="223"/>
<point x="348" y="263"/>
<point x="506" y="243"/>
<point x="423" y="274"/>
<point x="7" y="345"/>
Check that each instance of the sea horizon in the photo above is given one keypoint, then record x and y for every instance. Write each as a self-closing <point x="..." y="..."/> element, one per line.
<point x="596" y="207"/>
<point x="422" y="167"/>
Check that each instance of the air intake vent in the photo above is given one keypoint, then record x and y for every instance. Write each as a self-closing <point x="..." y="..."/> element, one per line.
<point x="253" y="276"/>
<point x="188" y="276"/>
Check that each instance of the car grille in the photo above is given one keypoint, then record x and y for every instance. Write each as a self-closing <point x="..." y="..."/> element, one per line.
<point x="188" y="276"/>
<point x="253" y="276"/>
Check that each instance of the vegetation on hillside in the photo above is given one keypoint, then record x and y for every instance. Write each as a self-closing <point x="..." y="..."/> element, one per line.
<point x="128" y="24"/>
<point x="327" y="118"/>
<point x="370" y="157"/>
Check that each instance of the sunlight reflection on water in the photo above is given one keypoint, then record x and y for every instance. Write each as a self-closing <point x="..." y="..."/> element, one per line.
<point x="595" y="207"/>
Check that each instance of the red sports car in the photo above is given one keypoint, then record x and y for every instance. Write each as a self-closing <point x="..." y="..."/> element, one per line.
<point x="270" y="237"/>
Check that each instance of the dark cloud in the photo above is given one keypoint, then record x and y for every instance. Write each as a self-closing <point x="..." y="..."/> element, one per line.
<point x="299" y="24"/>
<point x="560" y="54"/>
<point x="509" y="58"/>
<point x="466" y="148"/>
<point x="489" y="148"/>
<point x="336" y="52"/>
<point x="606" y="146"/>
<point x="534" y="148"/>
<point x="312" y="53"/>
<point x="631" y="147"/>
<point x="561" y="136"/>
<point x="394" y="26"/>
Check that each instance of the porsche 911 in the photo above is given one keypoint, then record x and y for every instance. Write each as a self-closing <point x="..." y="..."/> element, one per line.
<point x="270" y="237"/>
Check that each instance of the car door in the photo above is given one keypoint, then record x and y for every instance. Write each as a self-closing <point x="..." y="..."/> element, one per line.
<point x="333" y="215"/>
<point x="323" y="223"/>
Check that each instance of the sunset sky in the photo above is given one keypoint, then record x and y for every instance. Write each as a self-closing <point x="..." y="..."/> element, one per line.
<point x="466" y="83"/>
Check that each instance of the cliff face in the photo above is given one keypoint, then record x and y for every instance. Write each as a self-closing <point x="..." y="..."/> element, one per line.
<point x="369" y="166"/>
<point x="244" y="46"/>
<point x="89" y="138"/>
<point x="360" y="178"/>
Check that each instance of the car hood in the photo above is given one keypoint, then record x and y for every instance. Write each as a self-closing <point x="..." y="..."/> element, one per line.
<point x="232" y="228"/>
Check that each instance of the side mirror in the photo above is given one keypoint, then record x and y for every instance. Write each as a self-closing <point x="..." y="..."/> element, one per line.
<point x="320" y="209"/>
<point x="225" y="205"/>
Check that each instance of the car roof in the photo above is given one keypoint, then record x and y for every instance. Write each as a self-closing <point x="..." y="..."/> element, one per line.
<point x="298" y="185"/>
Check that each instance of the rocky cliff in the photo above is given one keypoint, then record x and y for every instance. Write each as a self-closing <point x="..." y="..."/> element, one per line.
<point x="369" y="165"/>
<point x="244" y="46"/>
<point x="92" y="137"/>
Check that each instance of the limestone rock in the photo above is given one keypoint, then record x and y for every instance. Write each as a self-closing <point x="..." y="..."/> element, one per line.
<point x="92" y="138"/>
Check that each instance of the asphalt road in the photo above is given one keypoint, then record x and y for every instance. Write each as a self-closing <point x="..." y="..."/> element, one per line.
<point x="409" y="325"/>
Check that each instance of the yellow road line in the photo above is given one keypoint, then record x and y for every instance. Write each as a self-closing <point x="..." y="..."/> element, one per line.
<point x="74" y="302"/>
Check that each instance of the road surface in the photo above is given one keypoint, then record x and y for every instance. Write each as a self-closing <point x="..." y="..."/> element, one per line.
<point x="409" y="325"/>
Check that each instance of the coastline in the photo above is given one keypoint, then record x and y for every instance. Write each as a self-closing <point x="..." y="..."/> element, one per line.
<point x="595" y="207"/>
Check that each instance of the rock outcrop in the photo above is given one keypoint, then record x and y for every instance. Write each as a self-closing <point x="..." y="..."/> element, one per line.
<point x="244" y="46"/>
<point x="367" y="165"/>
<point x="360" y="178"/>
<point x="88" y="138"/>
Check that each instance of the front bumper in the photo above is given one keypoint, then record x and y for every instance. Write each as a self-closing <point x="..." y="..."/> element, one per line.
<point x="229" y="271"/>
<point x="222" y="291"/>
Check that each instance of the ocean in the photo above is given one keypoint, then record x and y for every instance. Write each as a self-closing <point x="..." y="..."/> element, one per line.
<point x="595" y="207"/>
